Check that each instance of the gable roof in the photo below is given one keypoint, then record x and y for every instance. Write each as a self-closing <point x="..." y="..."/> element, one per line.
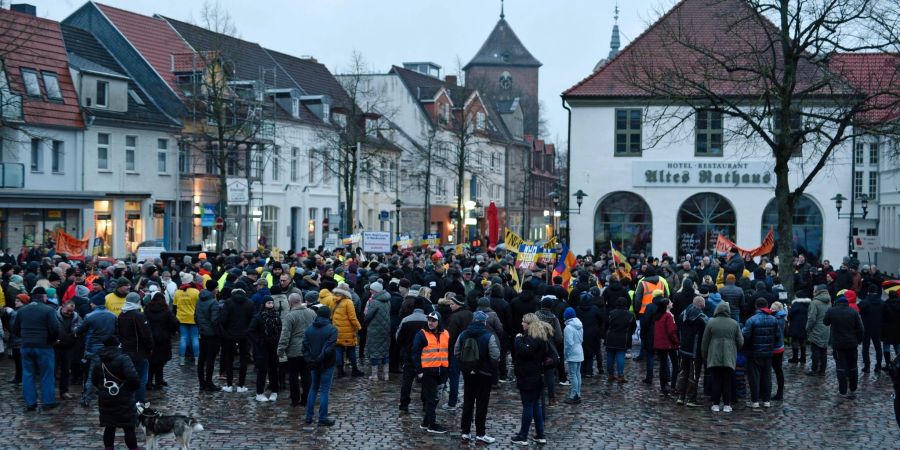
<point x="153" y="38"/>
<point x="35" y="43"/>
<point x="877" y="75"/>
<point x="87" y="54"/>
<point x="729" y="30"/>
<point x="503" y="48"/>
<point x="312" y="77"/>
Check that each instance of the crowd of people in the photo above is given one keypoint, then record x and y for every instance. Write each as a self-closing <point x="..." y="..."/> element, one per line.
<point x="709" y="329"/>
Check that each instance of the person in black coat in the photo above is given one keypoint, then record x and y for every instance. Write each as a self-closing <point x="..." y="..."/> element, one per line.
<point x="871" y="308"/>
<point x="845" y="337"/>
<point x="116" y="381"/>
<point x="682" y="299"/>
<point x="162" y="325"/>
<point x="619" y="328"/>
<point x="137" y="340"/>
<point x="797" y="316"/>
<point x="890" y="326"/>
<point x="524" y="303"/>
<point x="504" y="313"/>
<point x="396" y="303"/>
<point x="592" y="322"/>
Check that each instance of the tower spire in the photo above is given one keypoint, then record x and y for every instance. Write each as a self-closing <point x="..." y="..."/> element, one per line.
<point x="614" y="42"/>
<point x="502" y="15"/>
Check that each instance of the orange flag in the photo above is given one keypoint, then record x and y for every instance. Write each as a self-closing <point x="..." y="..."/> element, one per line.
<point x="70" y="245"/>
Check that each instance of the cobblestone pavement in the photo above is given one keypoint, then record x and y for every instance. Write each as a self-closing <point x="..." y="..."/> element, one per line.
<point x="611" y="416"/>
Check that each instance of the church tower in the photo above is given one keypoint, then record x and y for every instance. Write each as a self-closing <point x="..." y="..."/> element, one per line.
<point x="504" y="70"/>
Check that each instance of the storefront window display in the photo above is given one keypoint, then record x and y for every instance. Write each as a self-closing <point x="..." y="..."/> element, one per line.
<point x="625" y="219"/>
<point x="807" y="226"/>
<point x="701" y="219"/>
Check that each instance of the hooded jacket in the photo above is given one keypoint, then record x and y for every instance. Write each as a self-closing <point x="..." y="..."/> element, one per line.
<point x="116" y="410"/>
<point x="721" y="339"/>
<point x="574" y="336"/>
<point x="406" y="332"/>
<point x="797" y="317"/>
<point x="235" y="316"/>
<point x="293" y="329"/>
<point x="319" y="342"/>
<point x="378" y="325"/>
<point x="734" y="295"/>
<point x="592" y="321"/>
<point x="871" y="310"/>
<point x="135" y="335"/>
<point x="206" y="313"/>
<point x="816" y="329"/>
<point x="690" y="333"/>
<point x="621" y="326"/>
<point x="664" y="334"/>
<point x="761" y="331"/>
<point x="96" y="326"/>
<point x="343" y="317"/>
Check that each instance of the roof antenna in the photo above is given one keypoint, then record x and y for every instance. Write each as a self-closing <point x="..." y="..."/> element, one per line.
<point x="502" y="15"/>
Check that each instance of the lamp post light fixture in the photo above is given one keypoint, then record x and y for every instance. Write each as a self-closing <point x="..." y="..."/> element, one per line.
<point x="397" y="204"/>
<point x="839" y="203"/>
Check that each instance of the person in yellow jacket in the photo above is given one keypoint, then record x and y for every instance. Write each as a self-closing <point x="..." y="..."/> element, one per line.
<point x="344" y="319"/>
<point x="184" y="302"/>
<point x="115" y="300"/>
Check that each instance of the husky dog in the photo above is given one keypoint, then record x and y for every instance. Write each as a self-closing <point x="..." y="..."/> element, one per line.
<point x="155" y="424"/>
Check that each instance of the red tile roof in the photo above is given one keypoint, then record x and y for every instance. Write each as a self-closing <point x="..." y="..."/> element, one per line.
<point x="35" y="43"/>
<point x="683" y="44"/>
<point x="153" y="38"/>
<point x="877" y="75"/>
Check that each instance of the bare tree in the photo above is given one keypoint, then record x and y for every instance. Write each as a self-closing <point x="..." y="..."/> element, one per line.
<point x="773" y="73"/>
<point x="18" y="33"/>
<point x="466" y="126"/>
<point x="232" y="131"/>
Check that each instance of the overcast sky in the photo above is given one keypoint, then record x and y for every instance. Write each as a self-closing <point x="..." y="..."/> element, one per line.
<point x="567" y="36"/>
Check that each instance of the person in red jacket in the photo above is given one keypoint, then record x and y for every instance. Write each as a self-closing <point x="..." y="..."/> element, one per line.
<point x="665" y="345"/>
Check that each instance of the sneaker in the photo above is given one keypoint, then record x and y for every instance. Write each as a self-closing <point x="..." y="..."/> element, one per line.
<point x="465" y="437"/>
<point x="241" y="389"/>
<point x="326" y="422"/>
<point x="539" y="440"/>
<point x="691" y="404"/>
<point x="308" y="420"/>
<point x="767" y="405"/>
<point x="754" y="405"/>
<point x="261" y="398"/>
<point x="727" y="408"/>
<point x="679" y="402"/>
<point x="227" y="389"/>
<point x="519" y="440"/>
<point x="273" y="396"/>
<point x="437" y="429"/>
<point x="423" y="425"/>
<point x="565" y="383"/>
<point x="486" y="439"/>
<point x="449" y="407"/>
<point x="715" y="408"/>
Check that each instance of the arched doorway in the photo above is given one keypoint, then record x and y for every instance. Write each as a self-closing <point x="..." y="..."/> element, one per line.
<point x="623" y="218"/>
<point x="807" y="228"/>
<point x="701" y="219"/>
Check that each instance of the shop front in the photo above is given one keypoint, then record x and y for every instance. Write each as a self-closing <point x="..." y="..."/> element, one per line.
<point x="123" y="223"/>
<point x="31" y="218"/>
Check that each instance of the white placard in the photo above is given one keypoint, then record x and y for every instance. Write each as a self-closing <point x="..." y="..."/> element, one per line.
<point x="737" y="174"/>
<point x="866" y="244"/>
<point x="376" y="241"/>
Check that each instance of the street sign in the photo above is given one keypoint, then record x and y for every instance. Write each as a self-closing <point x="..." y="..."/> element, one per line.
<point x="376" y="241"/>
<point x="384" y="216"/>
<point x="220" y="223"/>
<point x="866" y="244"/>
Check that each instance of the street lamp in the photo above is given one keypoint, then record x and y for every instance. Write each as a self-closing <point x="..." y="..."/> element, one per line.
<point x="838" y="204"/>
<point x="397" y="204"/>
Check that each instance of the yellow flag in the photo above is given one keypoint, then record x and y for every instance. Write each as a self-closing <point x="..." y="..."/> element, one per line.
<point x="551" y="243"/>
<point x="512" y="241"/>
<point x="515" y="276"/>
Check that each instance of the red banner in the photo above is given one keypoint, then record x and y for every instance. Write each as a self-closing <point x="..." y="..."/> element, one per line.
<point x="70" y="245"/>
<point x="493" y="225"/>
<point x="724" y="245"/>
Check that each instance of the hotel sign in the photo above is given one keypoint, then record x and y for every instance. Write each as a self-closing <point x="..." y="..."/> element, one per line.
<point x="740" y="174"/>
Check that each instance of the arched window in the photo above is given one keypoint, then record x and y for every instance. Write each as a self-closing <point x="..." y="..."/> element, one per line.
<point x="701" y="219"/>
<point x="623" y="218"/>
<point x="807" y="226"/>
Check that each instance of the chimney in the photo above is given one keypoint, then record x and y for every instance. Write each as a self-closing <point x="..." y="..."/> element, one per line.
<point x="24" y="8"/>
<point x="450" y="79"/>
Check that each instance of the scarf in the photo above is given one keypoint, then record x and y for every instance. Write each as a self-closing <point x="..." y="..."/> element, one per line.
<point x="271" y="322"/>
<point x="128" y="306"/>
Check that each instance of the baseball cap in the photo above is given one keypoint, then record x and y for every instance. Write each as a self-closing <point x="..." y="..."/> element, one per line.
<point x="434" y="315"/>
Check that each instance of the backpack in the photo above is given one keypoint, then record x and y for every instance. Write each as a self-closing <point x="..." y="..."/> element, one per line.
<point x="469" y="355"/>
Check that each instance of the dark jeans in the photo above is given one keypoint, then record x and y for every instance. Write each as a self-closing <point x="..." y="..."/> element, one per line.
<point x="339" y="356"/>
<point x="798" y="349"/>
<point x="759" y="371"/>
<point x="156" y="373"/>
<point x="550" y="382"/>
<point x="819" y="359"/>
<point x="777" y="367"/>
<point x="17" y="358"/>
<point x="297" y="368"/>
<point x="320" y="384"/>
<point x="453" y="380"/>
<point x="394" y="354"/>
<point x="688" y="378"/>
<point x="876" y="342"/>
<point x="476" y="396"/>
<point x="429" y="398"/>
<point x="665" y="378"/>
<point x="845" y="364"/>
<point x="531" y="409"/>
<point x="504" y="350"/>
<point x="228" y="359"/>
<point x="64" y="363"/>
<point x="721" y="385"/>
<point x="109" y="437"/>
<point x="206" y="361"/>
<point x="266" y="366"/>
<point x="409" y="376"/>
<point x="592" y="352"/>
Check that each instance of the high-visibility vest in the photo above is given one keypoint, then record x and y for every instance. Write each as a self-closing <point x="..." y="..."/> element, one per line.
<point x="649" y="287"/>
<point x="437" y="352"/>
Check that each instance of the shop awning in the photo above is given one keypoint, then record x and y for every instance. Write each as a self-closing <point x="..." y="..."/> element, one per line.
<point x="20" y="198"/>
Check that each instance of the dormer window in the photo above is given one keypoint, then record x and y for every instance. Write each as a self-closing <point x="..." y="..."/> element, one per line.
<point x="135" y="97"/>
<point x="51" y="84"/>
<point x="480" y="120"/>
<point x="32" y="87"/>
<point x="295" y="107"/>
<point x="445" y="113"/>
<point x="102" y="95"/>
